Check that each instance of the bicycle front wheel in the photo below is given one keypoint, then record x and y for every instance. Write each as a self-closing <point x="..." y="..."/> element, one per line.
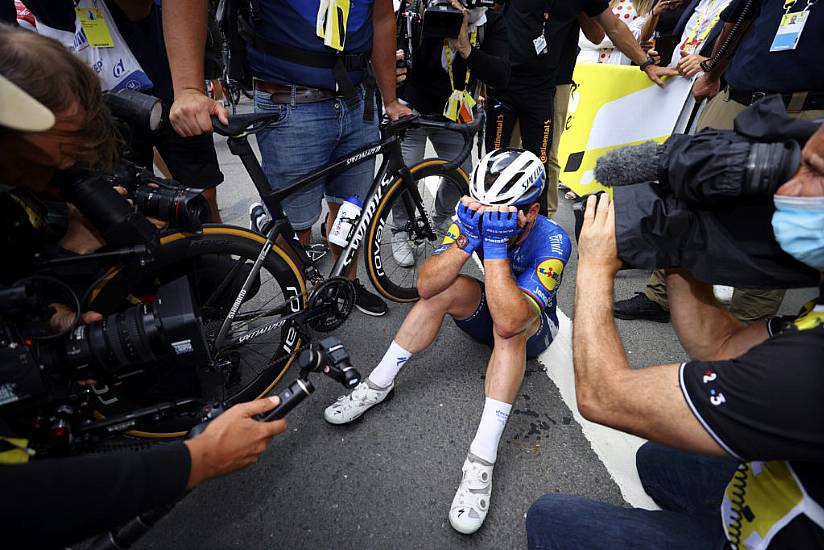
<point x="397" y="242"/>
<point x="216" y="263"/>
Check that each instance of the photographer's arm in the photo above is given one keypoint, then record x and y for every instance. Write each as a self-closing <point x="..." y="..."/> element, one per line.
<point x="704" y="327"/>
<point x="490" y="62"/>
<point x="184" y="30"/>
<point x="647" y="402"/>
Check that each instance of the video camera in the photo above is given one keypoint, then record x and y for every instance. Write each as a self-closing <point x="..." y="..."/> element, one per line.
<point x="421" y="19"/>
<point x="40" y="367"/>
<point x="704" y="202"/>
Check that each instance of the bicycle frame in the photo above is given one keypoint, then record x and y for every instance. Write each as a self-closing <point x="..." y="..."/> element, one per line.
<point x="391" y="165"/>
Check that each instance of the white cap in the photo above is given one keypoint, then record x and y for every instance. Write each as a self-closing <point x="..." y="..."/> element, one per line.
<point x="20" y="111"/>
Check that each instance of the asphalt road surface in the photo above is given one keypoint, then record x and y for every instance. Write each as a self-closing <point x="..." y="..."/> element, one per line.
<point x="386" y="481"/>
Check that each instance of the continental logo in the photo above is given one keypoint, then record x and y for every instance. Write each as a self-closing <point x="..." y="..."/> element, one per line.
<point x="451" y="234"/>
<point x="545" y="139"/>
<point x="499" y="130"/>
<point x="549" y="273"/>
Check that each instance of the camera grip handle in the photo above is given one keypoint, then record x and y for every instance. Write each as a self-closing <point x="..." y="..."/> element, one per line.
<point x="290" y="398"/>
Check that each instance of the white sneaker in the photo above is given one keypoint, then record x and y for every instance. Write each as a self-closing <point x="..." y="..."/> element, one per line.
<point x="402" y="250"/>
<point x="350" y="407"/>
<point x="471" y="502"/>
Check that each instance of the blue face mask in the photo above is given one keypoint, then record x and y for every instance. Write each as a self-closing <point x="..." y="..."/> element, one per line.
<point x="798" y="224"/>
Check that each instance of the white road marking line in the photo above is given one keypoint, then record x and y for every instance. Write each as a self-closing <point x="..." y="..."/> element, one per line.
<point x="615" y="449"/>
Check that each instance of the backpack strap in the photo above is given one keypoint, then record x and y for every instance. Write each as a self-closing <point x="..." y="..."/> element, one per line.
<point x="339" y="63"/>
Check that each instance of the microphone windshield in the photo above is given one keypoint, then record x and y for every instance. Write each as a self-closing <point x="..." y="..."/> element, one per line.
<point x="628" y="165"/>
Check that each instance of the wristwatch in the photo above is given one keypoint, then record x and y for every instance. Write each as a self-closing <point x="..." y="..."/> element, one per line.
<point x="461" y="242"/>
<point x="647" y="63"/>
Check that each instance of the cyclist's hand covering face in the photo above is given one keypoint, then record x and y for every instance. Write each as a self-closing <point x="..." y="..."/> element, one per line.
<point x="501" y="224"/>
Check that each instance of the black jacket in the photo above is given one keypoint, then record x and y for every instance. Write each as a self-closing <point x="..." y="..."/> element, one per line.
<point x="427" y="87"/>
<point x="55" y="502"/>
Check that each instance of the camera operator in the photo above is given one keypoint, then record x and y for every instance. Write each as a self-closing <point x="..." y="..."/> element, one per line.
<point x="746" y="411"/>
<point x="445" y="69"/>
<point x="192" y="161"/>
<point x="52" y="117"/>
<point x="754" y="65"/>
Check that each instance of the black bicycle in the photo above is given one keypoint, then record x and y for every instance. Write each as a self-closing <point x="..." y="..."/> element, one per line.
<point x="249" y="286"/>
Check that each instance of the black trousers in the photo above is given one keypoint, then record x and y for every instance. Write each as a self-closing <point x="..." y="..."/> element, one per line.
<point x="533" y="112"/>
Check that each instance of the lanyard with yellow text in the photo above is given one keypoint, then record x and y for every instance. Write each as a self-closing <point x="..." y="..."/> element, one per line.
<point x="459" y="106"/>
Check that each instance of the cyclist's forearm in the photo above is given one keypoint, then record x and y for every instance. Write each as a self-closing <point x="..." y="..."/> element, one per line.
<point x="440" y="271"/>
<point x="511" y="310"/>
<point x="184" y="31"/>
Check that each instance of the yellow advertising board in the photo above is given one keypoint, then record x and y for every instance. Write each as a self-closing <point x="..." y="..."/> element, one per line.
<point x="611" y="106"/>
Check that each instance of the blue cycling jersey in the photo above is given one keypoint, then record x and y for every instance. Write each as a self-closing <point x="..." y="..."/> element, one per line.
<point x="537" y="263"/>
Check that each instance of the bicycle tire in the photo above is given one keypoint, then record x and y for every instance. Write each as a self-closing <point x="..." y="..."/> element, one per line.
<point x="391" y="280"/>
<point x="180" y="249"/>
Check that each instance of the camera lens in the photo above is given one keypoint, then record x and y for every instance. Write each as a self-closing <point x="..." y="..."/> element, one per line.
<point x="166" y="329"/>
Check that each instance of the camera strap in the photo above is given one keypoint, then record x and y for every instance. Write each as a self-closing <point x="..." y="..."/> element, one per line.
<point x="459" y="106"/>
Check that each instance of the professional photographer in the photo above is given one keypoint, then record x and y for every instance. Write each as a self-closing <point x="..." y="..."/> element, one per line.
<point x="52" y="118"/>
<point x="192" y="161"/>
<point x="746" y="410"/>
<point x="443" y="80"/>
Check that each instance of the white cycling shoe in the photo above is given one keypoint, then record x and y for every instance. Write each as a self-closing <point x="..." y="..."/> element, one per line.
<point x="471" y="502"/>
<point x="350" y="407"/>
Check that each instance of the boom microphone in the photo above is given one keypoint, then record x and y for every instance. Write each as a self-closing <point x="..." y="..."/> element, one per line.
<point x="629" y="165"/>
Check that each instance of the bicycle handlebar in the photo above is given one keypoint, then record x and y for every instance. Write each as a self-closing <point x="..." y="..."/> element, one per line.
<point x="467" y="131"/>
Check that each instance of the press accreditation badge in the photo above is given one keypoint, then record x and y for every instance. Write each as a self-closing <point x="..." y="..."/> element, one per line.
<point x="789" y="31"/>
<point x="540" y="44"/>
<point x="95" y="27"/>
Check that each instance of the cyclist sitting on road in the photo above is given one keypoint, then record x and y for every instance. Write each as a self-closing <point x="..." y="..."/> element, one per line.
<point x="523" y="256"/>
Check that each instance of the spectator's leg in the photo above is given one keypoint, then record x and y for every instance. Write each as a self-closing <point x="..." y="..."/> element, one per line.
<point x="568" y="522"/>
<point x="501" y="122"/>
<point x="448" y="145"/>
<point x="553" y="173"/>
<point x="749" y="305"/>
<point x="684" y="482"/>
<point x="656" y="290"/>
<point x="192" y="161"/>
<point x="301" y="141"/>
<point x="414" y="150"/>
<point x="536" y="129"/>
<point x="356" y="133"/>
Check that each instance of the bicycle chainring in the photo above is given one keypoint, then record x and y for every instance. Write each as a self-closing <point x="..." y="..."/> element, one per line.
<point x="331" y="303"/>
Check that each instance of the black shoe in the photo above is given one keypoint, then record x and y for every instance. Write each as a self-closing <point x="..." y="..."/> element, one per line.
<point x="370" y="304"/>
<point x="641" y="308"/>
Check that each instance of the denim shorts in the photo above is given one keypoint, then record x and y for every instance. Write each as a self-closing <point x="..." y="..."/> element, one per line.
<point x="305" y="138"/>
<point x="480" y="327"/>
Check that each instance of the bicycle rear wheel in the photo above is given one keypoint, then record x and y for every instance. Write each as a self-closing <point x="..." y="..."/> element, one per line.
<point x="216" y="262"/>
<point x="398" y="223"/>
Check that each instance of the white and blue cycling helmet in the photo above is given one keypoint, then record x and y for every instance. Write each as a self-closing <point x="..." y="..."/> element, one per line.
<point x="507" y="177"/>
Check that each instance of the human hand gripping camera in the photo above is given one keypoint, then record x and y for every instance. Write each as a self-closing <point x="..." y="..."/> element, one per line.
<point x="512" y="311"/>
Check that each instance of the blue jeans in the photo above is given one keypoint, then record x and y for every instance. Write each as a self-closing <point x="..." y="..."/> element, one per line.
<point x="688" y="487"/>
<point x="305" y="138"/>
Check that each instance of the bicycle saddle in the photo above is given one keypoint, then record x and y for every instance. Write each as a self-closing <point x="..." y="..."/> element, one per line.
<point x="243" y="124"/>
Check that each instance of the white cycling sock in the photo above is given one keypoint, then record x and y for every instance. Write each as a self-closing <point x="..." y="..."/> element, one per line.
<point x="386" y="371"/>
<point x="493" y="422"/>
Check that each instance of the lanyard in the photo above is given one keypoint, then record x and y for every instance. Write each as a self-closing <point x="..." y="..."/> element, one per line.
<point x="789" y="4"/>
<point x="473" y="37"/>
<point x="691" y="40"/>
